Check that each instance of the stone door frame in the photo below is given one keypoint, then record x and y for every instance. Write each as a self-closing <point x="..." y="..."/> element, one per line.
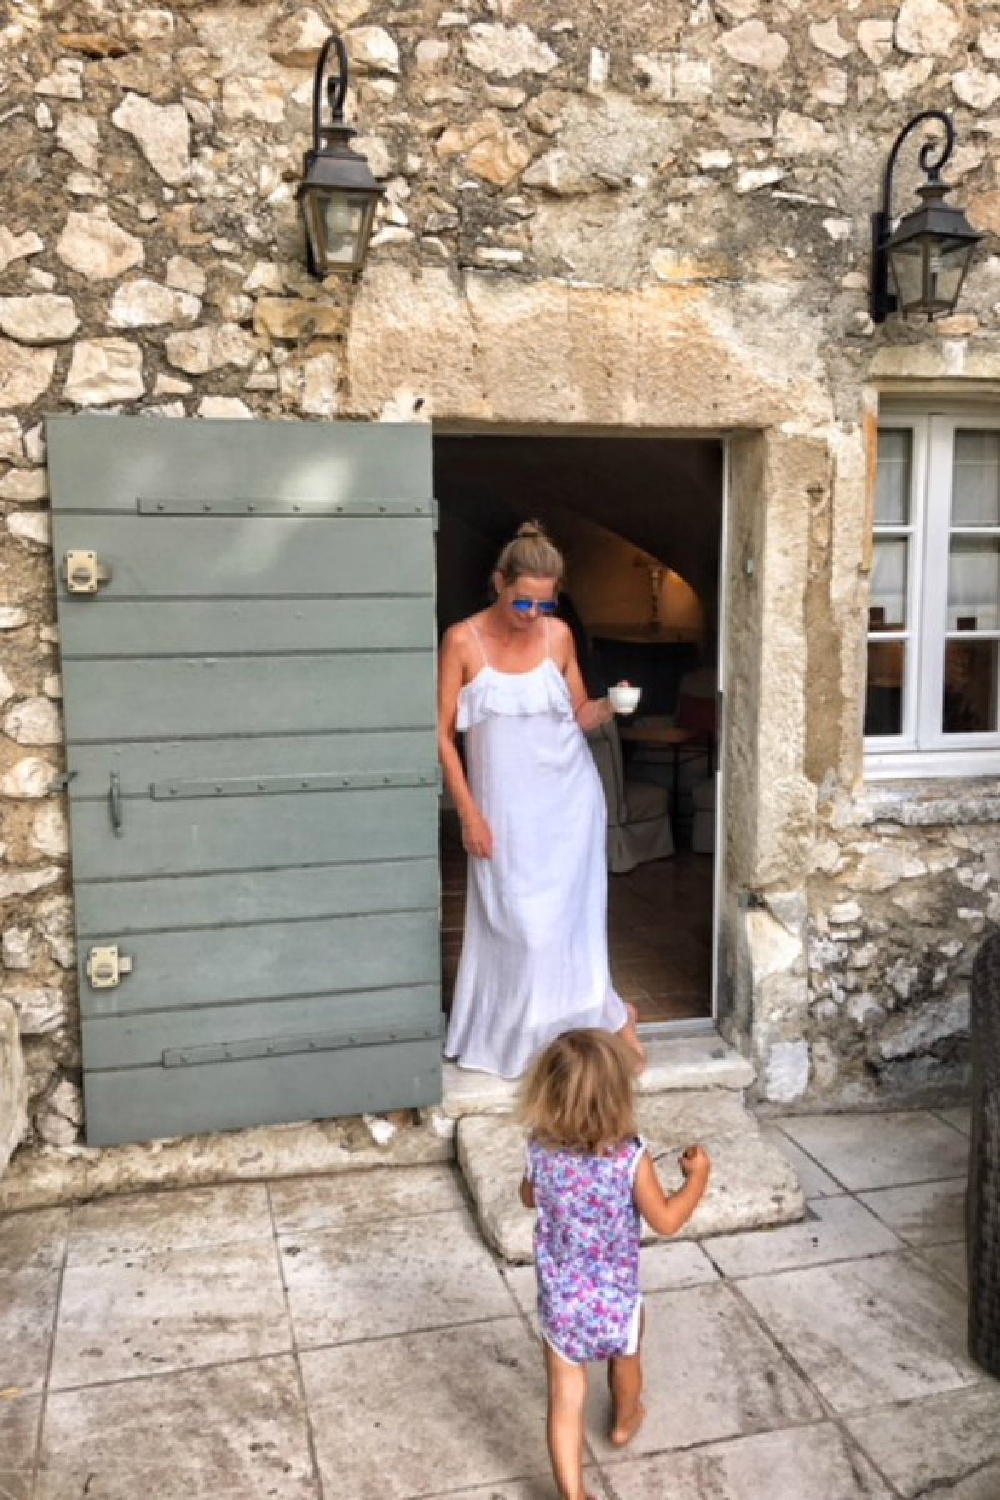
<point x="475" y="352"/>
<point x="547" y="431"/>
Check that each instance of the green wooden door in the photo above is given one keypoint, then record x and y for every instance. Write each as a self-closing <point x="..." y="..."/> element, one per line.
<point x="249" y="704"/>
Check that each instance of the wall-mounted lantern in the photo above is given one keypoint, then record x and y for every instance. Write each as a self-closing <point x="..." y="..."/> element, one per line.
<point x="929" y="251"/>
<point x="338" y="192"/>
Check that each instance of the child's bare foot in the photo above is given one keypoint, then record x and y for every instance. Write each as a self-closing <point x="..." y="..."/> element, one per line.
<point x="630" y="1034"/>
<point x="624" y="1429"/>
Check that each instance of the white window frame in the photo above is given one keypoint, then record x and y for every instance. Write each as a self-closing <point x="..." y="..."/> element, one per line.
<point x="922" y="749"/>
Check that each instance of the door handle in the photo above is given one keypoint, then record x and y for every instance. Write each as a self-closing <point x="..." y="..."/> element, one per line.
<point x="115" y="804"/>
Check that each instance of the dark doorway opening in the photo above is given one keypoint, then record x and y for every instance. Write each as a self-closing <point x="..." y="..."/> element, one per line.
<point x="639" y="521"/>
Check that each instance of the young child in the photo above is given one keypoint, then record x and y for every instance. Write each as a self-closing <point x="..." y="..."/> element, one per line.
<point x="591" y="1179"/>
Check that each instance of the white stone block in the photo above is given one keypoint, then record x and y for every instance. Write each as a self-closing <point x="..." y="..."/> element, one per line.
<point x="78" y="135"/>
<point x="13" y="1090"/>
<point x="507" y="51"/>
<point x="163" y="134"/>
<point x="44" y="318"/>
<point x="30" y="777"/>
<point x="18" y="948"/>
<point x="97" y="247"/>
<point x="144" y="304"/>
<point x="34" y="721"/>
<point x="25" y="374"/>
<point x="104" y="371"/>
<point x="926" y="28"/>
<point x="50" y="831"/>
<point x="30" y="526"/>
<point x="786" y="1076"/>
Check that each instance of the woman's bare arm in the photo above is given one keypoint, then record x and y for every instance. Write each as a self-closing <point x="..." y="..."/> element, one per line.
<point x="590" y="712"/>
<point x="476" y="835"/>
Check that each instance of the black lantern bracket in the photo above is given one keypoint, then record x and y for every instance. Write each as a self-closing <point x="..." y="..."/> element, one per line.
<point x="934" y="154"/>
<point x="337" y="132"/>
<point x="335" y="174"/>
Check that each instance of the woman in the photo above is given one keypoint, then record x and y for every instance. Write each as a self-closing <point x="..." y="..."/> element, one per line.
<point x="535" y="953"/>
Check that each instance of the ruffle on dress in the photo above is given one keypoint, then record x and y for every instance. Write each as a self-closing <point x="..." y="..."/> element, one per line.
<point x="514" y="694"/>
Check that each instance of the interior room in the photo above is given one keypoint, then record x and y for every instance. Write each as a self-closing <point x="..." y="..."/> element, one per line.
<point x="639" y="524"/>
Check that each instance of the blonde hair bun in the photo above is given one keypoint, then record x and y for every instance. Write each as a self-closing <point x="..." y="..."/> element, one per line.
<point x="532" y="554"/>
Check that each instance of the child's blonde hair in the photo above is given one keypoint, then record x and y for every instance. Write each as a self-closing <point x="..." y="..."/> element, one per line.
<point x="578" y="1094"/>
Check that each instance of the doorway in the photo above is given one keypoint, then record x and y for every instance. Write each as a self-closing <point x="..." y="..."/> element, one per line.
<point x="640" y="522"/>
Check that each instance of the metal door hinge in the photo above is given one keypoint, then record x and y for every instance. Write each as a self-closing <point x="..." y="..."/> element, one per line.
<point x="106" y="967"/>
<point x="84" y="573"/>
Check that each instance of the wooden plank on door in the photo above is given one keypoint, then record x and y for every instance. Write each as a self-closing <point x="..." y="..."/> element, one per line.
<point x="107" y="463"/>
<point x="131" y="1104"/>
<point x="314" y="828"/>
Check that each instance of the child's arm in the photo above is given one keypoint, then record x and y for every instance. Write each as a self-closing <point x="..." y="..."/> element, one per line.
<point x="666" y="1213"/>
<point x="527" y="1192"/>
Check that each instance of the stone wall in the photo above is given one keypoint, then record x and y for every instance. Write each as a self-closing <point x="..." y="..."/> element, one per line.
<point x="637" y="216"/>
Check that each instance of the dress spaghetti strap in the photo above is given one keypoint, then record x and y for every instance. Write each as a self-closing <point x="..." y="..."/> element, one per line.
<point x="479" y="643"/>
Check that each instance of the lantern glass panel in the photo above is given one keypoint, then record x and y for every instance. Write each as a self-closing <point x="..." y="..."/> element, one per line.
<point x="343" y="221"/>
<point x="907" y="263"/>
<point x="946" y="266"/>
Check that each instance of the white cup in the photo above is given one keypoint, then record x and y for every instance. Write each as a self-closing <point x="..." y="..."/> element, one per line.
<point x="624" y="699"/>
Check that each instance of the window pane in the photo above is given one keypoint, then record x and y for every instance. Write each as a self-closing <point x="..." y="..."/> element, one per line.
<point x="892" y="488"/>
<point x="974" y="585"/>
<point x="884" y="689"/>
<point x="887" y="601"/>
<point x="976" y="479"/>
<point x="970" y="686"/>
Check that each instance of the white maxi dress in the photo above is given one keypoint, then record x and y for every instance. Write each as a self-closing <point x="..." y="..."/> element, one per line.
<point x="535" y="952"/>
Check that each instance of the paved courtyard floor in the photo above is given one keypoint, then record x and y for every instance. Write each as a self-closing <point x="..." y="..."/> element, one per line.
<point x="351" y="1338"/>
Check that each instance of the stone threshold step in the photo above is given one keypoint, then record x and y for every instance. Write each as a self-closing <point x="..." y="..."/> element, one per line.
<point x="752" y="1184"/>
<point x="703" y="1061"/>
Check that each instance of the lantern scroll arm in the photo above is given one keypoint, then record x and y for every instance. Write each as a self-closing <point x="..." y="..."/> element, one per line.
<point x="933" y="156"/>
<point x="335" y="87"/>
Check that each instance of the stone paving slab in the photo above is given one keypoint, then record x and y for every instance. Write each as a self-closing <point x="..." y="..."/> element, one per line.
<point x="158" y="1223"/>
<point x="370" y="1281"/>
<point x="868" y="1331"/>
<point x="235" y="1432"/>
<point x="959" y="1119"/>
<point x="835" y="1229"/>
<point x="951" y="1261"/>
<point x="18" y="1438"/>
<point x="874" y="1151"/>
<point x="45" y="1177"/>
<point x="27" y="1317"/>
<point x="947" y="1447"/>
<point x="923" y="1213"/>
<point x="480" y="1396"/>
<point x="814" y="1182"/>
<point x="307" y="1203"/>
<point x="33" y="1241"/>
<point x="710" y="1373"/>
<point x="168" y="1312"/>
<point x="799" y="1463"/>
<point x="538" y="1487"/>
<point x="752" y="1183"/>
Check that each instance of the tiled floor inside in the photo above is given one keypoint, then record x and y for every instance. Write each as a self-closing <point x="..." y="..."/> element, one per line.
<point x="350" y="1337"/>
<point x="659" y="930"/>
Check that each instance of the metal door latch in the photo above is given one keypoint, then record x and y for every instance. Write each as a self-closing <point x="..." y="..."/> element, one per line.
<point x="106" y="967"/>
<point x="84" y="573"/>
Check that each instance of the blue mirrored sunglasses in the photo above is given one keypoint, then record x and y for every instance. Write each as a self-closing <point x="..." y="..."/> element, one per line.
<point x="527" y="606"/>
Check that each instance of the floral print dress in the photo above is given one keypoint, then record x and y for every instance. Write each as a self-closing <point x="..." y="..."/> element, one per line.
<point x="587" y="1249"/>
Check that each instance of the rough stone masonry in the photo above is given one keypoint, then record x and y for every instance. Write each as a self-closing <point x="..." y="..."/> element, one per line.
<point x="637" y="215"/>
